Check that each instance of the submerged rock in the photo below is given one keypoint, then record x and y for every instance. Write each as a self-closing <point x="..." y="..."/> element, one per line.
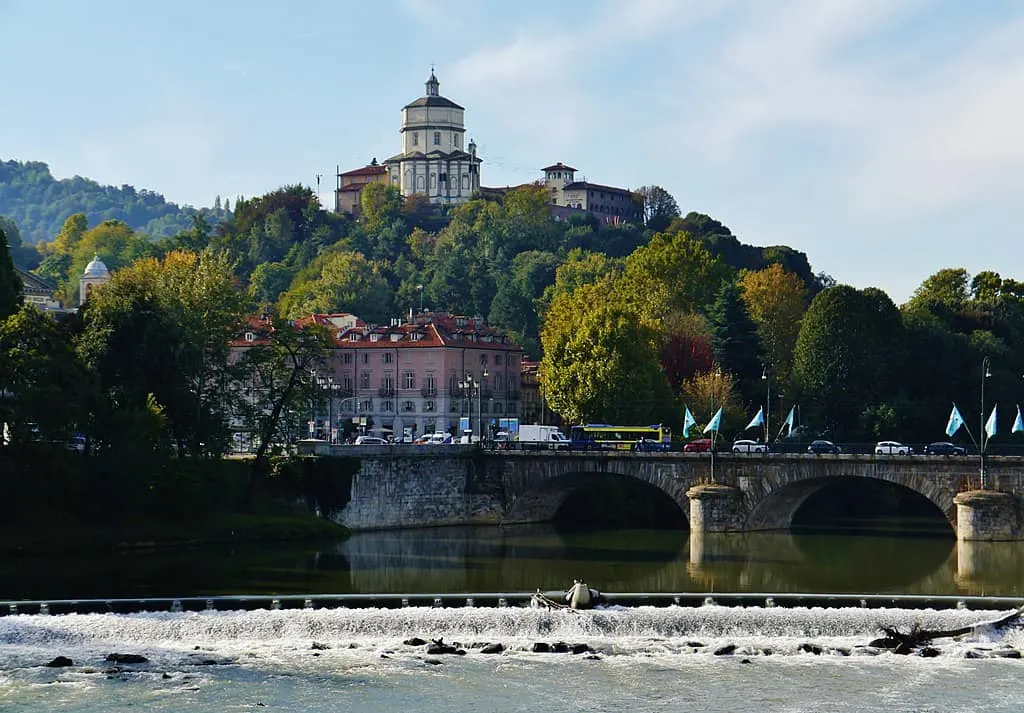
<point x="810" y="649"/>
<point x="727" y="650"/>
<point x="60" y="662"/>
<point x="317" y="646"/>
<point x="127" y="658"/>
<point x="540" y="647"/>
<point x="492" y="649"/>
<point x="929" y="652"/>
<point x="414" y="641"/>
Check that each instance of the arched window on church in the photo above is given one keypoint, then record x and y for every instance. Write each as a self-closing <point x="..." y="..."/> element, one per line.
<point x="437" y="138"/>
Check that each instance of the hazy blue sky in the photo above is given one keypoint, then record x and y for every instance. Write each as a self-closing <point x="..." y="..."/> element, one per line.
<point x="883" y="138"/>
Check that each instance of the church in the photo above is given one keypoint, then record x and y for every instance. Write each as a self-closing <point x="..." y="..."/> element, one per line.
<point x="436" y="161"/>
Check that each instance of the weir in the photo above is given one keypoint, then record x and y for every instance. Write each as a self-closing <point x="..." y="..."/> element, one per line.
<point x="497" y="600"/>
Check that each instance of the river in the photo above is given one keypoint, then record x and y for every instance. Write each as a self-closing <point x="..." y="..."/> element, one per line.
<point x="642" y="659"/>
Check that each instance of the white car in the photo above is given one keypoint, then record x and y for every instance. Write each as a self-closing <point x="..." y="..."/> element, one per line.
<point x="747" y="446"/>
<point x="370" y="441"/>
<point x="438" y="438"/>
<point x="892" y="448"/>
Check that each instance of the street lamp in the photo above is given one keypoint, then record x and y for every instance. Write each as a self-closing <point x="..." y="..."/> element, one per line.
<point x="469" y="383"/>
<point x="766" y="377"/>
<point x="985" y="373"/>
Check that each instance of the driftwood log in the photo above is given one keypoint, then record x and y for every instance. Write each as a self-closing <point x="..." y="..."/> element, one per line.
<point x="901" y="643"/>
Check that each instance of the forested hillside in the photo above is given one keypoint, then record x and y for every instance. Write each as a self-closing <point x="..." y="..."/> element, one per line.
<point x="39" y="204"/>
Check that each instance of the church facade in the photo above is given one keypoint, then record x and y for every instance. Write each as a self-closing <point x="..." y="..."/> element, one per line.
<point x="436" y="161"/>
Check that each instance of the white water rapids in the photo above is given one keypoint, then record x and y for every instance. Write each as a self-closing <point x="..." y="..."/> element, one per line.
<point x="643" y="659"/>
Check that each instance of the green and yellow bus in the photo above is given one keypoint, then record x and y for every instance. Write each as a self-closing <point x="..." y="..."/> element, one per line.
<point x="604" y="436"/>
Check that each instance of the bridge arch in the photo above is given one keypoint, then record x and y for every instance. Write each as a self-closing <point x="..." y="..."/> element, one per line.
<point x="774" y="504"/>
<point x="542" y="499"/>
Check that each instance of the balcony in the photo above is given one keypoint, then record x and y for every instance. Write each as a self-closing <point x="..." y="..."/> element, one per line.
<point x="428" y="391"/>
<point x="386" y="391"/>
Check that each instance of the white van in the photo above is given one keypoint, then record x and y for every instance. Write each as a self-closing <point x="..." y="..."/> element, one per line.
<point x="438" y="438"/>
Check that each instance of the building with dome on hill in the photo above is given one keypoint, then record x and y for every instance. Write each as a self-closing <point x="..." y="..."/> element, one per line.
<point x="96" y="273"/>
<point x="435" y="160"/>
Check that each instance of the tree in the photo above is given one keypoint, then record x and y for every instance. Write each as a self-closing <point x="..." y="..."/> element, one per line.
<point x="276" y="370"/>
<point x="848" y="354"/>
<point x="946" y="289"/>
<point x="686" y="350"/>
<point x="161" y="330"/>
<point x="659" y="207"/>
<point x="343" y="281"/>
<point x="775" y="302"/>
<point x="601" y="362"/>
<point x="11" y="287"/>
<point x="735" y="342"/>
<point x="705" y="393"/>
<point x="672" y="273"/>
<point x="43" y="386"/>
<point x="580" y="268"/>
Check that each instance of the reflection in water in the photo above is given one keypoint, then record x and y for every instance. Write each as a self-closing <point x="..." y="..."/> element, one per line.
<point x="524" y="558"/>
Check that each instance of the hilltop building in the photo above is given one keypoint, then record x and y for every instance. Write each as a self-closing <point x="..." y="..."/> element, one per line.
<point x="435" y="159"/>
<point x="607" y="203"/>
<point x="38" y="291"/>
<point x="351" y="184"/>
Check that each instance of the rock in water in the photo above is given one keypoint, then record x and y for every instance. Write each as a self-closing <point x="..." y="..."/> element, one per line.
<point x="492" y="649"/>
<point x="127" y="658"/>
<point x="60" y="662"/>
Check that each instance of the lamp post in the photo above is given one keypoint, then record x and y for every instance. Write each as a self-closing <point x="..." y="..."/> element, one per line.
<point x="982" y="433"/>
<point x="469" y="383"/>
<point x="767" y="378"/>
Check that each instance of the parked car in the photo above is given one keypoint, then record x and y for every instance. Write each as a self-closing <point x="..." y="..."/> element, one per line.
<point x="748" y="446"/>
<point x="822" y="446"/>
<point x="892" y="448"/>
<point x="700" y="445"/>
<point x="944" y="448"/>
<point x="439" y="438"/>
<point x="371" y="441"/>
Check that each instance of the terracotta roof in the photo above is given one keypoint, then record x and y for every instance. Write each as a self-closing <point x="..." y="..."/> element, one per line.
<point x="352" y="188"/>
<point x="558" y="167"/>
<point x="366" y="171"/>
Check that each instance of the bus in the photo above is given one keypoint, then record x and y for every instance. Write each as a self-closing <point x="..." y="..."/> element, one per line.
<point x="603" y="436"/>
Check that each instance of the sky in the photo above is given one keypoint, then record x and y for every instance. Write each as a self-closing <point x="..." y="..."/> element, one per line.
<point x="883" y="138"/>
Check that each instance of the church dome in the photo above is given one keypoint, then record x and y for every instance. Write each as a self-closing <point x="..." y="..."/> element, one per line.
<point x="96" y="269"/>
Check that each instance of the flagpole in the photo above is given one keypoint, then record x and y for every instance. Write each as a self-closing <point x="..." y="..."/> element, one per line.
<point x="985" y="373"/>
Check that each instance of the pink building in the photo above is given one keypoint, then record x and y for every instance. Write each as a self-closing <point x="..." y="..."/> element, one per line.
<point x="423" y="374"/>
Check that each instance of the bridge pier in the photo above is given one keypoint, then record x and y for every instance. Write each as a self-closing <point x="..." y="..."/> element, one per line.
<point x="987" y="515"/>
<point x="715" y="508"/>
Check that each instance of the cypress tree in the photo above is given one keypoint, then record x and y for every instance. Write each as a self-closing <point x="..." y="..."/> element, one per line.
<point x="10" y="282"/>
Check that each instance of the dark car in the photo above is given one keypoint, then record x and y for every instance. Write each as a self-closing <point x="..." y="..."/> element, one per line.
<point x="823" y="447"/>
<point x="944" y="448"/>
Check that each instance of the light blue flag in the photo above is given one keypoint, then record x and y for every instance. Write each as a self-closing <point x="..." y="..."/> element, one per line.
<point x="790" y="419"/>
<point x="715" y="423"/>
<point x="1018" y="424"/>
<point x="990" y="424"/>
<point x="688" y="422"/>
<point x="955" y="422"/>
<point x="758" y="420"/>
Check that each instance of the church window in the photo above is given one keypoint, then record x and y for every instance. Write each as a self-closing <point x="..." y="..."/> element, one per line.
<point x="415" y="138"/>
<point x="443" y="178"/>
<point x="437" y="138"/>
<point x="458" y="140"/>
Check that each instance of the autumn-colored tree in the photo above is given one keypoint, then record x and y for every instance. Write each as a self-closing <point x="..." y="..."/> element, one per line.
<point x="686" y="350"/>
<point x="704" y="393"/>
<point x="775" y="302"/>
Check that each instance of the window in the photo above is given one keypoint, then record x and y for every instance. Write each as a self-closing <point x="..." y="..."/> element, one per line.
<point x="508" y="360"/>
<point x="483" y="360"/>
<point x="497" y="407"/>
<point x="428" y="384"/>
<point x="346" y="358"/>
<point x="366" y="405"/>
<point x="428" y="406"/>
<point x="346" y="384"/>
<point x="374" y="337"/>
<point x="387" y="357"/>
<point x="250" y="337"/>
<point x="444" y="178"/>
<point x="499" y="382"/>
<point x="387" y="384"/>
<point x="433" y="180"/>
<point x="458" y="141"/>
<point x="364" y="380"/>
<point x="387" y="406"/>
<point x="366" y="358"/>
<point x="408" y="406"/>
<point x="415" y="138"/>
<point x="465" y="181"/>
<point x="409" y="380"/>
<point x="395" y="336"/>
<point x="437" y="138"/>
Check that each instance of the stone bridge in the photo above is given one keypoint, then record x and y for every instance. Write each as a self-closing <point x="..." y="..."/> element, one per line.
<point x="416" y="486"/>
